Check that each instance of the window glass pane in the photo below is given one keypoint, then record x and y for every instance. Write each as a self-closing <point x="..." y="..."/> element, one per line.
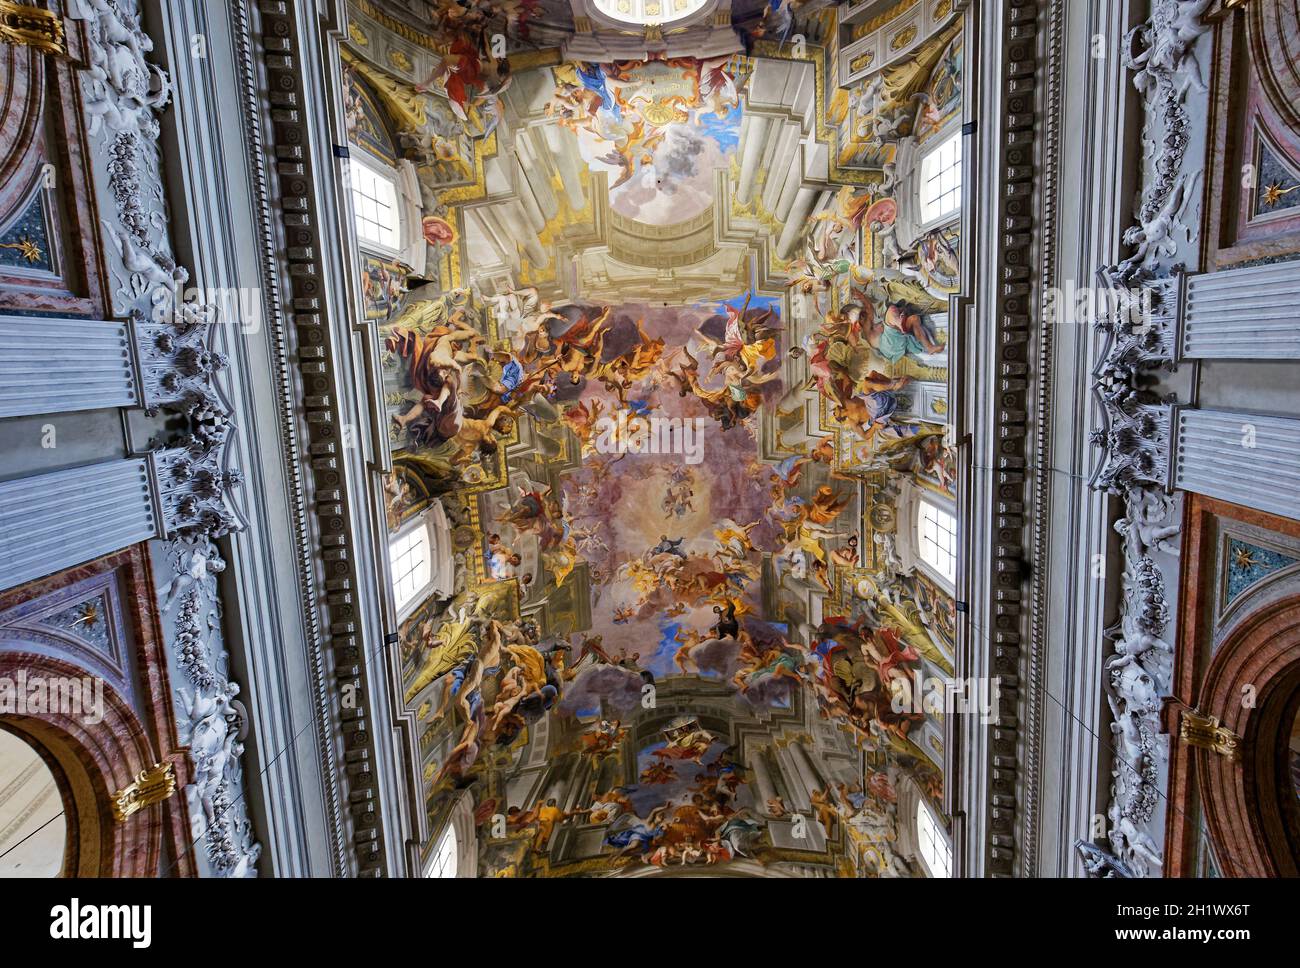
<point x="408" y="556"/>
<point x="443" y="862"/>
<point x="936" y="532"/>
<point x="374" y="205"/>
<point x="931" y="842"/>
<point x="940" y="182"/>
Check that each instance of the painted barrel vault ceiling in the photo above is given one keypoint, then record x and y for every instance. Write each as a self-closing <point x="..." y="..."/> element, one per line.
<point x="675" y="385"/>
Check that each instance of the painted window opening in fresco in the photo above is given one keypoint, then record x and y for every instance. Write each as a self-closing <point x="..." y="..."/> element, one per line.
<point x="932" y="842"/>
<point x="941" y="181"/>
<point x="374" y="203"/>
<point x="643" y="12"/>
<point x="443" y="861"/>
<point x="409" y="556"/>
<point x="936" y="534"/>
<point x="33" y="828"/>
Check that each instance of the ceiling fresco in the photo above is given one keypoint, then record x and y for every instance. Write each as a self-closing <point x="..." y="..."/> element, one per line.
<point x="658" y="128"/>
<point x="677" y="621"/>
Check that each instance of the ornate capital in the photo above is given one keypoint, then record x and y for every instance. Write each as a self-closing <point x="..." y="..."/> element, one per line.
<point x="192" y="488"/>
<point x="1140" y="326"/>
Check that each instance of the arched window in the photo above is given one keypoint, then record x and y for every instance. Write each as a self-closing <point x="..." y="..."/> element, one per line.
<point x="936" y="540"/>
<point x="443" y="861"/>
<point x="940" y="182"/>
<point x="932" y="842"/>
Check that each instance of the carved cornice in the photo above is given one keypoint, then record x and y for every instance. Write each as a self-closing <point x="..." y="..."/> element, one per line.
<point x="304" y="544"/>
<point x="290" y="212"/>
<point x="1018" y="133"/>
<point x="1042" y="457"/>
<point x="287" y="390"/>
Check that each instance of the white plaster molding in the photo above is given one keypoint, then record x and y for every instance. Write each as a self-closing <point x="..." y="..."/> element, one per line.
<point x="1161" y="53"/>
<point x="124" y="94"/>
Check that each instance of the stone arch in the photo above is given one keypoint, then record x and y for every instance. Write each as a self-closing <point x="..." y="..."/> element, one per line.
<point x="91" y="762"/>
<point x="1246" y="814"/>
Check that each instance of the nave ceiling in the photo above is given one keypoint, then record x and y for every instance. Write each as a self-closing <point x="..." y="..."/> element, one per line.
<point x="667" y="382"/>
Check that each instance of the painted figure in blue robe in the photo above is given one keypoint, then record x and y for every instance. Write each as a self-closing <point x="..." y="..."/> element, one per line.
<point x="593" y="79"/>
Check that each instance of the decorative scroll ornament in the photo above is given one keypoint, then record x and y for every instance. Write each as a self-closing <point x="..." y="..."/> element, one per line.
<point x="122" y="89"/>
<point x="1138" y="672"/>
<point x="149" y="787"/>
<point x="33" y="27"/>
<point x="1135" y="436"/>
<point x="1165" y="68"/>
<point x="213" y="722"/>
<point x="1205" y="733"/>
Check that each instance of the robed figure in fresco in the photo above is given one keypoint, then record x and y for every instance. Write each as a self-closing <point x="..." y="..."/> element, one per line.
<point x="434" y="368"/>
<point x="433" y="344"/>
